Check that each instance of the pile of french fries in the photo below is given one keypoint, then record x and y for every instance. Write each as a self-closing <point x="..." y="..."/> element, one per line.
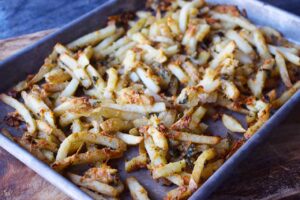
<point x="152" y="82"/>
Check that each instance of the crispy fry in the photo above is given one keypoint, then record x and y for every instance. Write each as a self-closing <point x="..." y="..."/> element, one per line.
<point x="116" y="124"/>
<point x="286" y="95"/>
<point x="102" y="139"/>
<point x="129" y="139"/>
<point x="96" y="186"/>
<point x="168" y="169"/>
<point x="22" y="110"/>
<point x="282" y="69"/>
<point x="91" y="156"/>
<point x="136" y="163"/>
<point x="92" y="38"/>
<point x="95" y="195"/>
<point x="182" y="192"/>
<point x="188" y="137"/>
<point x="38" y="107"/>
<point x="210" y="168"/>
<point x="232" y="124"/>
<point x="137" y="191"/>
<point x="198" y="168"/>
<point x="157" y="107"/>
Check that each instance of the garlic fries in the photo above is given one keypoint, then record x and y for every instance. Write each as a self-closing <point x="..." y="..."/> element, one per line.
<point x="156" y="81"/>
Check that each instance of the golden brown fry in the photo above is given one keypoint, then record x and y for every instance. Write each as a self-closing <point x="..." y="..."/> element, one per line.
<point x="286" y="95"/>
<point x="116" y="124"/>
<point x="135" y="163"/>
<point x="96" y="186"/>
<point x="96" y="196"/>
<point x="86" y="158"/>
<point x="104" y="174"/>
<point x="210" y="168"/>
<point x="232" y="124"/>
<point x="100" y="138"/>
<point x="180" y="193"/>
<point x="22" y="110"/>
<point x="188" y="137"/>
<point x="169" y="169"/>
<point x="137" y="191"/>
<point x="198" y="168"/>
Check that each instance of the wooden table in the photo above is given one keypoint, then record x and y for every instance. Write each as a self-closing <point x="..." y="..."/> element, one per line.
<point x="271" y="172"/>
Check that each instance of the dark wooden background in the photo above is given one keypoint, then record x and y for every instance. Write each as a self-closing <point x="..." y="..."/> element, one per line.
<point x="272" y="171"/>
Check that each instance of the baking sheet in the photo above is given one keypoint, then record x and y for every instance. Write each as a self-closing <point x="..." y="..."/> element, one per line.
<point x="29" y="61"/>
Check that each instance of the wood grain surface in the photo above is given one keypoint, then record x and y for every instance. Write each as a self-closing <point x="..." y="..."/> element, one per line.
<point x="272" y="171"/>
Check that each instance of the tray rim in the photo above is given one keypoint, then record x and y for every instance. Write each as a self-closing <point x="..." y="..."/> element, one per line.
<point x="206" y="189"/>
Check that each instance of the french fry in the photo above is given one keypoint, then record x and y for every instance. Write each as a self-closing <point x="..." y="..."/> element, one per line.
<point x="22" y="110"/>
<point x="280" y="63"/>
<point x="57" y="75"/>
<point x="77" y="71"/>
<point x="169" y="169"/>
<point x="256" y="85"/>
<point x="137" y="191"/>
<point x="240" y="21"/>
<point x="137" y="26"/>
<point x="41" y="73"/>
<point x="103" y="173"/>
<point x="156" y="156"/>
<point x="99" y="138"/>
<point x="116" y="124"/>
<point x="147" y="80"/>
<point x="88" y="157"/>
<point x="192" y="72"/>
<point x="109" y="112"/>
<point x="38" y="107"/>
<point x="286" y="95"/>
<point x="157" y="107"/>
<point x="198" y="168"/>
<point x="288" y="55"/>
<point x="96" y="186"/>
<point x="129" y="139"/>
<point x="158" y="137"/>
<point x="35" y="151"/>
<point x="167" y="117"/>
<point x="46" y="145"/>
<point x="221" y="101"/>
<point x="261" y="45"/>
<point x="179" y="73"/>
<point x="70" y="89"/>
<point x="209" y="82"/>
<point x="72" y="105"/>
<point x="116" y="45"/>
<point x="135" y="163"/>
<point x="107" y="42"/>
<point x="46" y="128"/>
<point x="210" y="168"/>
<point x="230" y="90"/>
<point x="232" y="124"/>
<point x="228" y="49"/>
<point x="241" y="43"/>
<point x="181" y="192"/>
<point x="95" y="195"/>
<point x="177" y="179"/>
<point x="92" y="38"/>
<point x="184" y="17"/>
<point x="198" y="139"/>
<point x="111" y="82"/>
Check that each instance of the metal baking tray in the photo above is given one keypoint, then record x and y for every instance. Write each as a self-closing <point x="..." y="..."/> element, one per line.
<point x="28" y="61"/>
